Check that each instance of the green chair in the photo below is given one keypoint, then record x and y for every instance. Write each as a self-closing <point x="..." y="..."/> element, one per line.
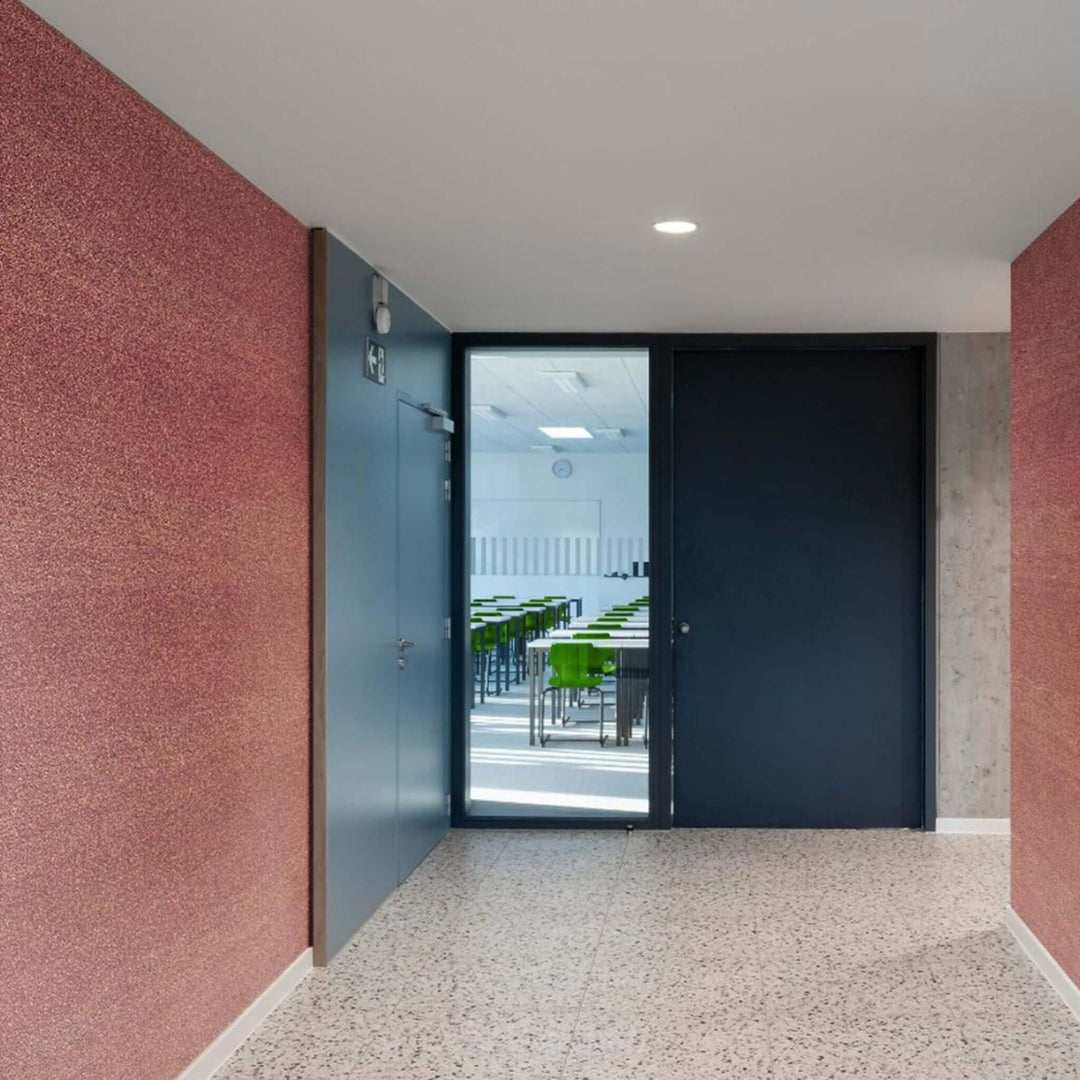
<point x="546" y="617"/>
<point x="544" y="611"/>
<point x="495" y="637"/>
<point x="572" y="662"/>
<point x="480" y="661"/>
<point x="605" y="658"/>
<point x="514" y="636"/>
<point x="563" y="614"/>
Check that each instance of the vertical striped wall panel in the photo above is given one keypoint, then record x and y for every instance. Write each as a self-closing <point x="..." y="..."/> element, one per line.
<point x="569" y="556"/>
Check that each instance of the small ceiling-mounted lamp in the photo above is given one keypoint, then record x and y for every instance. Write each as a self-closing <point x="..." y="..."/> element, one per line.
<point x="380" y="304"/>
<point x="675" y="227"/>
<point x="566" y="432"/>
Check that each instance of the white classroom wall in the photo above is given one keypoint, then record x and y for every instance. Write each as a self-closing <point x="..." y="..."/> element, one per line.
<point x="535" y="534"/>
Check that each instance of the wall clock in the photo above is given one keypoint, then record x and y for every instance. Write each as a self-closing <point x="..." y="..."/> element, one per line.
<point x="562" y="468"/>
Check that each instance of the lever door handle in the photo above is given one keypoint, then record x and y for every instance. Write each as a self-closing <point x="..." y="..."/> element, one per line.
<point x="403" y="643"/>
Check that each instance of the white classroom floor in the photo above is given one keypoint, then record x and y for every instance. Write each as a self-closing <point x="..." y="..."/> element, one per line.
<point x="511" y="778"/>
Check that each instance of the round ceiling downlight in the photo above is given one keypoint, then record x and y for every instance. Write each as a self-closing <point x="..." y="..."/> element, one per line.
<point x="675" y="228"/>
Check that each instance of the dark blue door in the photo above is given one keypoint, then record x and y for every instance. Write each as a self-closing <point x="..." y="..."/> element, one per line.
<point x="797" y="568"/>
<point x="423" y="597"/>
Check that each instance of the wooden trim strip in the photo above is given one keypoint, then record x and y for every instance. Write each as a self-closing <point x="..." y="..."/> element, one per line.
<point x="318" y="596"/>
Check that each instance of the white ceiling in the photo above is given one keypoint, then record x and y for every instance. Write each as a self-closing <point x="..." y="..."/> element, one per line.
<point x="616" y="395"/>
<point x="854" y="164"/>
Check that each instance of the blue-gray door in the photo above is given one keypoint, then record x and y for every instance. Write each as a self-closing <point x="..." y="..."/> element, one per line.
<point x="423" y="599"/>
<point x="797" y="571"/>
<point x="378" y="823"/>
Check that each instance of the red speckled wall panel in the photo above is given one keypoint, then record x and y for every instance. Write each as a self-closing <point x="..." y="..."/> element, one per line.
<point x="154" y="579"/>
<point x="1046" y="588"/>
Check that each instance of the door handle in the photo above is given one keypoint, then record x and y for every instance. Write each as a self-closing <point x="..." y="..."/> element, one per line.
<point x="403" y="643"/>
<point x="684" y="628"/>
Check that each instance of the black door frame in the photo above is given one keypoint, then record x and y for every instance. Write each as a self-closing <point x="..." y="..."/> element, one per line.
<point x="663" y="349"/>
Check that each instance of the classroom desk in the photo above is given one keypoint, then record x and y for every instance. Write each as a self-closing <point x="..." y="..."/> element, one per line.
<point x="631" y="680"/>
<point x="626" y="632"/>
<point x="513" y="615"/>
<point x="514" y="620"/>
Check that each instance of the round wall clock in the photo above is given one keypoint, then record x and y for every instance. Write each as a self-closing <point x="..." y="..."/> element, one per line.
<point x="562" y="468"/>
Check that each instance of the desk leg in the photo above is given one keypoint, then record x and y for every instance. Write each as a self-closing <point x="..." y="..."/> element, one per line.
<point x="621" y="704"/>
<point x="531" y="660"/>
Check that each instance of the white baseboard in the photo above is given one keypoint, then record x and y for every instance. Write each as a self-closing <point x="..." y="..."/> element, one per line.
<point x="988" y="826"/>
<point x="1054" y="973"/>
<point x="216" y="1054"/>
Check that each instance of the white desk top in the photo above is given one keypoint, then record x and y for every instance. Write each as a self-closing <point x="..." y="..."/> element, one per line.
<point x="545" y="643"/>
<point x="567" y="635"/>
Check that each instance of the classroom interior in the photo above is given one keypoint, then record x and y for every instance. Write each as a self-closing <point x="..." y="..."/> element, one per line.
<point x="559" y="596"/>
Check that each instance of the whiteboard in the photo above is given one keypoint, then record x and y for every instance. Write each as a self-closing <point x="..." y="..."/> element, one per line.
<point x="536" y="517"/>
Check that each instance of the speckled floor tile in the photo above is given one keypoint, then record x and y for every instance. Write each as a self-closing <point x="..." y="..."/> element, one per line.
<point x="887" y="1048"/>
<point x="693" y="954"/>
<point x="689" y="1042"/>
<point x="1006" y="1048"/>
<point x="902" y="987"/>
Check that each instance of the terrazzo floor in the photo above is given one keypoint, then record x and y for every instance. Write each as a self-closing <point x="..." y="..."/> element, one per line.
<point x="688" y="954"/>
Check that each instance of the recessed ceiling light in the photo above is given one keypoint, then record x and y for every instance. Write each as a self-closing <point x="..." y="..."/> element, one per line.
<point x="570" y="381"/>
<point x="675" y="228"/>
<point x="566" y="432"/>
<point x="613" y="433"/>
<point x="489" y="412"/>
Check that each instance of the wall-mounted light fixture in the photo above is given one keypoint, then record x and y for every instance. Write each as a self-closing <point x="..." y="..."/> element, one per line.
<point x="380" y="304"/>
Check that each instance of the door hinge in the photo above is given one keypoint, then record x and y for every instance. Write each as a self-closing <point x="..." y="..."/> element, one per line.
<point x="447" y="453"/>
<point x="446" y="489"/>
<point x="447" y="804"/>
<point x="447" y="624"/>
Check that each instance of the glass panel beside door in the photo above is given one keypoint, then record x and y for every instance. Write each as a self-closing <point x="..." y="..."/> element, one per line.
<point x="559" y="583"/>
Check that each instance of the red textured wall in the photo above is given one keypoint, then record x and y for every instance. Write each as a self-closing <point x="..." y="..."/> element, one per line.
<point x="1046" y="588"/>
<point x="153" y="578"/>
